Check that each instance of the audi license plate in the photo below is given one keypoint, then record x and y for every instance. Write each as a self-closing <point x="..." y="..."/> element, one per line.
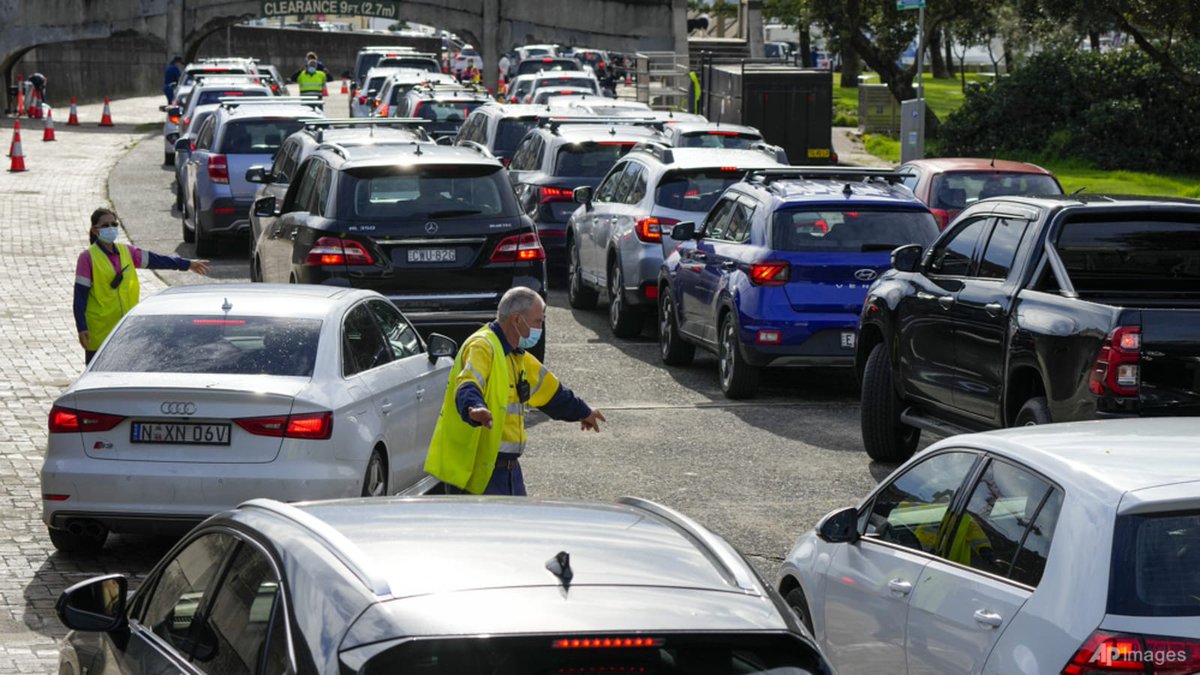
<point x="179" y="433"/>
<point x="432" y="255"/>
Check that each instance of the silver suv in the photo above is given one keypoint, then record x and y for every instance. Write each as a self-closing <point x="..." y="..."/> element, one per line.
<point x="614" y="240"/>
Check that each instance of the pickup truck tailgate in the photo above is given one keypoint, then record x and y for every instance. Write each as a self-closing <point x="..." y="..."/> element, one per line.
<point x="1170" y="370"/>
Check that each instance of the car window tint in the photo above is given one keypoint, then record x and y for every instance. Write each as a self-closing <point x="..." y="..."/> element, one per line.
<point x="321" y="194"/>
<point x="281" y="161"/>
<point x="432" y="191"/>
<point x="914" y="509"/>
<point x="1156" y="565"/>
<point x="593" y="160"/>
<point x="365" y="347"/>
<point x="718" y="219"/>
<point x="1002" y="248"/>
<point x="958" y="189"/>
<point x="637" y="191"/>
<point x="303" y="194"/>
<point x="910" y="181"/>
<point x="954" y="255"/>
<point x="1003" y="503"/>
<point x="1031" y="558"/>
<point x="605" y="192"/>
<point x="739" y="223"/>
<point x="233" y="637"/>
<point x="622" y="187"/>
<point x="399" y="334"/>
<point x="257" y="137"/>
<point x="204" y="139"/>
<point x="182" y="587"/>
<point x="851" y="229"/>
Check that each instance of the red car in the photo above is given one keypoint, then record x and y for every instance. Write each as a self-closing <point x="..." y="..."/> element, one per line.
<point x="948" y="185"/>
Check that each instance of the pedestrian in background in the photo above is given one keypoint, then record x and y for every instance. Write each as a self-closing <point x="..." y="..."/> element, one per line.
<point x="106" y="282"/>
<point x="480" y="433"/>
<point x="312" y="79"/>
<point x="171" y="75"/>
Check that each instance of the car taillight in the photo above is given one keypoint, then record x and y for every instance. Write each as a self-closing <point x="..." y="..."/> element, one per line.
<point x="606" y="642"/>
<point x="362" y="100"/>
<point x="334" y="251"/>
<point x="66" y="420"/>
<point x="314" y="426"/>
<point x="769" y="273"/>
<point x="943" y="218"/>
<point x="1105" y="652"/>
<point x="174" y="119"/>
<point x="553" y="194"/>
<point x="1118" y="363"/>
<point x="650" y="230"/>
<point x="218" y="169"/>
<point x="383" y="110"/>
<point x="519" y="248"/>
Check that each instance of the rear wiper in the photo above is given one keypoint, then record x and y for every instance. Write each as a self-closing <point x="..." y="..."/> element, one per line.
<point x="454" y="212"/>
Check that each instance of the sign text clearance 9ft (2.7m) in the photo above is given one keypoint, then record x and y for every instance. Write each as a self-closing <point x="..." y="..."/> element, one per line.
<point x="387" y="9"/>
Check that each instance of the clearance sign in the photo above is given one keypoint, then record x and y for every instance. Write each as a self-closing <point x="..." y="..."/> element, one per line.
<point x="386" y="10"/>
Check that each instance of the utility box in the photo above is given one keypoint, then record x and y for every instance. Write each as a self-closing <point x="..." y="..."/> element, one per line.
<point x="912" y="130"/>
<point x="791" y="106"/>
<point x="878" y="111"/>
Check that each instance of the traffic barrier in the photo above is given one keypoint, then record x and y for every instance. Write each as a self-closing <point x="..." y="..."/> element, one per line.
<point x="73" y="118"/>
<point x="18" y="156"/>
<point x="106" y="117"/>
<point x="16" y="134"/>
<point x="345" y="86"/>
<point x="48" y="130"/>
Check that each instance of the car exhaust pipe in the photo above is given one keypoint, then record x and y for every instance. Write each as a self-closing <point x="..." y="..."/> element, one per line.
<point x="85" y="527"/>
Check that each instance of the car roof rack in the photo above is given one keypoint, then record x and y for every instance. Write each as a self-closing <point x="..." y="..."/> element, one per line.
<point x="321" y="124"/>
<point x="856" y="174"/>
<point x="231" y="102"/>
<point x="556" y="121"/>
<point x="656" y="150"/>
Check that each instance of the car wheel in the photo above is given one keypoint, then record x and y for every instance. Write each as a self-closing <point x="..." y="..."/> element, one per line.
<point x="168" y="157"/>
<point x="189" y="235"/>
<point x="625" y="321"/>
<point x="206" y="246"/>
<point x="671" y="345"/>
<point x="1034" y="412"/>
<point x="738" y="378"/>
<point x="375" y="482"/>
<point x="578" y="295"/>
<point x="178" y="198"/>
<point x="799" y="604"/>
<point x="885" y="437"/>
<point x="83" y="542"/>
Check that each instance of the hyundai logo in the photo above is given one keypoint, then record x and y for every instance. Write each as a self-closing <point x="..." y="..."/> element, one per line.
<point x="865" y="274"/>
<point x="430" y="228"/>
<point x="178" y="408"/>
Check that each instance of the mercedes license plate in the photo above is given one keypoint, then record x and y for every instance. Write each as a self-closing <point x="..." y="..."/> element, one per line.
<point x="179" y="433"/>
<point x="848" y="339"/>
<point x="431" y="255"/>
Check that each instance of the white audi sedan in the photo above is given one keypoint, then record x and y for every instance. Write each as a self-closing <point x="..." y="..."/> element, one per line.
<point x="1066" y="548"/>
<point x="206" y="396"/>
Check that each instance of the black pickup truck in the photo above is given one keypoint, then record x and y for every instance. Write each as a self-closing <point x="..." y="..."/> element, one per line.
<point x="1031" y="310"/>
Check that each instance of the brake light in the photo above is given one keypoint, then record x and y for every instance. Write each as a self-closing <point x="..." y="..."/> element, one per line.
<point x="606" y="643"/>
<point x="362" y="100"/>
<point x="383" y="110"/>
<point x="722" y="133"/>
<point x="769" y="273"/>
<point x="66" y="420"/>
<point x="334" y="251"/>
<point x="218" y="169"/>
<point x="233" y="93"/>
<point x="224" y="210"/>
<point x="728" y="169"/>
<point x="767" y="337"/>
<point x="1118" y="363"/>
<point x="174" y="119"/>
<point x="218" y="322"/>
<point x="553" y="194"/>
<point x="1124" y="653"/>
<point x="942" y="217"/>
<point x="620" y="143"/>
<point x="314" y="426"/>
<point x="650" y="230"/>
<point x="519" y="248"/>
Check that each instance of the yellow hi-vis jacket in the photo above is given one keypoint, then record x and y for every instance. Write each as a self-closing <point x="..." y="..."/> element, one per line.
<point x="465" y="455"/>
<point x="311" y="84"/>
<point x="106" y="305"/>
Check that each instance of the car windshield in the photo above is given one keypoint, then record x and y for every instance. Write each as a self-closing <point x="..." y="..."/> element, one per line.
<point x="956" y="190"/>
<point x="445" y="111"/>
<point x="712" y="654"/>
<point x="210" y="96"/>
<point x="1156" y="565"/>
<point x="225" y="344"/>
<point x="717" y="139"/>
<point x="367" y="61"/>
<point x="530" y="66"/>
<point x="509" y="133"/>
<point x="429" y="191"/>
<point x="257" y="137"/>
<point x="556" y="82"/>
<point x="413" y="62"/>
<point x="695" y="189"/>
<point x="1136" y="256"/>
<point x="851" y="230"/>
<point x="590" y="160"/>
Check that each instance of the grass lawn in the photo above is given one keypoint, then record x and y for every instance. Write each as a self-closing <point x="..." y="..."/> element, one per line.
<point x="942" y="97"/>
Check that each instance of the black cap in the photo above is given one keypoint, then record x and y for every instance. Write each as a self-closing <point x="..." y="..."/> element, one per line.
<point x="177" y="59"/>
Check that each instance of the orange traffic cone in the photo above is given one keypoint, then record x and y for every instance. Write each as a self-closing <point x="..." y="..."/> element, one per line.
<point x="16" y="134"/>
<point x="18" y="157"/>
<point x="345" y="86"/>
<point x="73" y="118"/>
<point x="35" y="106"/>
<point x="324" y="91"/>
<point x="48" y="131"/>
<point x="20" y="96"/>
<point x="106" y="117"/>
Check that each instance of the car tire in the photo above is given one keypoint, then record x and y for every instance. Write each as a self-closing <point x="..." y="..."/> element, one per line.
<point x="885" y="437"/>
<point x="625" y="321"/>
<point x="206" y="246"/>
<point x="1033" y="413"/>
<point x="375" y="482"/>
<point x="178" y="198"/>
<point x="675" y="351"/>
<point x="738" y="378"/>
<point x="578" y="294"/>
<point x="189" y="235"/>
<point x="67" y="542"/>
<point x="799" y="604"/>
<point x="168" y="157"/>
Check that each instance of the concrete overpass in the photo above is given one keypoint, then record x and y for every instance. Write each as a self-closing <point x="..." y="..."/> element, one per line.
<point x="180" y="26"/>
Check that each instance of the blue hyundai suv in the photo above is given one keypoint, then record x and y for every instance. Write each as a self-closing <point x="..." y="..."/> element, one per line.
<point x="777" y="272"/>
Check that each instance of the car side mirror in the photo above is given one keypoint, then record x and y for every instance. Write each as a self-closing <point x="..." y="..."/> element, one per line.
<point x="174" y="111"/>
<point x="684" y="231"/>
<point x="439" y="346"/>
<point x="96" y="605"/>
<point x="259" y="174"/>
<point x="445" y="140"/>
<point x="183" y="145"/>
<point x="839" y="527"/>
<point x="907" y="258"/>
<point x="172" y="137"/>
<point x="583" y="195"/>
<point x="162" y="108"/>
<point x="265" y="207"/>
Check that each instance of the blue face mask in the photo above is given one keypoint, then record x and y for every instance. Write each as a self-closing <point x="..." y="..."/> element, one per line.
<point x="311" y="70"/>
<point x="107" y="234"/>
<point x="530" y="340"/>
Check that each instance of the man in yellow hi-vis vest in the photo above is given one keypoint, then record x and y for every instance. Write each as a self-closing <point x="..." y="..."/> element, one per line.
<point x="311" y="79"/>
<point x="480" y="433"/>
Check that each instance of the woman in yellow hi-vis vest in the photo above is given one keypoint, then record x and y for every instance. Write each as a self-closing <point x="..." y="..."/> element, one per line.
<point x="480" y="433"/>
<point x="106" y="283"/>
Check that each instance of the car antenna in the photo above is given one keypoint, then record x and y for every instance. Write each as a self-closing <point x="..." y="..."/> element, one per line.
<point x="847" y="190"/>
<point x="560" y="566"/>
<point x="417" y="150"/>
<point x="225" y="307"/>
<point x="993" y="156"/>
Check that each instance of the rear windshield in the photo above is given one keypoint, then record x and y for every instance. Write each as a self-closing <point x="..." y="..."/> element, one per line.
<point x="230" y="344"/>
<point x="257" y="137"/>
<point x="957" y="190"/>
<point x="711" y="654"/>
<point x="530" y="66"/>
<point x="415" y="63"/>
<point x="590" y="160"/>
<point x="856" y="230"/>
<point x="430" y="191"/>
<point x="1156" y="565"/>
<point x="366" y="62"/>
<point x="695" y="190"/>
<point x="581" y="82"/>
<point x="210" y="96"/>
<point x="718" y="139"/>
<point x="191" y="75"/>
<point x="445" y="111"/>
<point x="1135" y="256"/>
<point x="509" y="133"/>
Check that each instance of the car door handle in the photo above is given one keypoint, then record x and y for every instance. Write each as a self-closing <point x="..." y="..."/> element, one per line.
<point x="420" y="393"/>
<point x="988" y="618"/>
<point x="900" y="586"/>
<point x="699" y="255"/>
<point x="294" y="234"/>
<point x="385" y="405"/>
<point x="946" y="301"/>
<point x="728" y="265"/>
<point x="993" y="308"/>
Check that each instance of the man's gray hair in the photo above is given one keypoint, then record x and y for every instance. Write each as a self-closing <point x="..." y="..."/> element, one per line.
<point x="517" y="300"/>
